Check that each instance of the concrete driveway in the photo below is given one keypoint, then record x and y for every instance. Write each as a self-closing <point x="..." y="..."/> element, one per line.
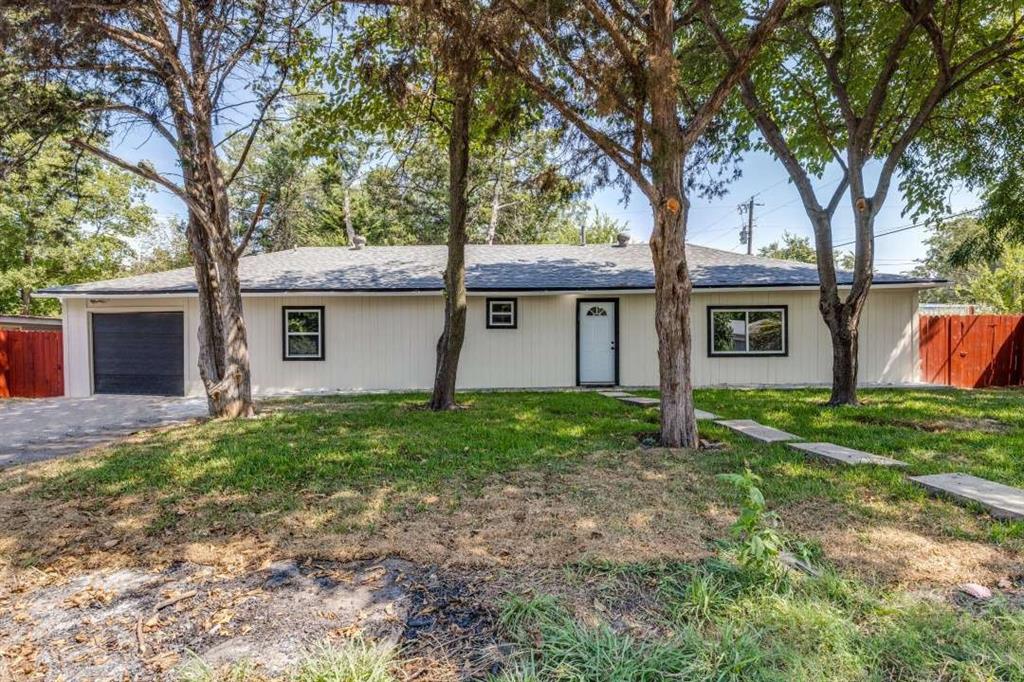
<point x="32" y="430"/>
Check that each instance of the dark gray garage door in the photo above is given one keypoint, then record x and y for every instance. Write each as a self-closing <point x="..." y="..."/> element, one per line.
<point x="138" y="353"/>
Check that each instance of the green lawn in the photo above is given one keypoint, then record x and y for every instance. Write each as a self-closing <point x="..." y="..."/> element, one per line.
<point x="304" y="449"/>
<point x="321" y="444"/>
<point x="555" y="485"/>
<point x="713" y="621"/>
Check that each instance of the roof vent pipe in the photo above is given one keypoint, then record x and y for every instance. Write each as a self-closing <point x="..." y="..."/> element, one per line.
<point x="622" y="239"/>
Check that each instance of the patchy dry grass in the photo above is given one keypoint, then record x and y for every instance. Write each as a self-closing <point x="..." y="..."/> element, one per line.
<point x="529" y="483"/>
<point x="535" y="479"/>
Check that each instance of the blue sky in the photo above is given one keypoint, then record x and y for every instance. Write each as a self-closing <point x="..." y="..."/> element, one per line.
<point x="717" y="223"/>
<point x="713" y="223"/>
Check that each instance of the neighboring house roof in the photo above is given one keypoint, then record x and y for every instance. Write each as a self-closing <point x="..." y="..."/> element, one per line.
<point x="488" y="268"/>
<point x="29" y="322"/>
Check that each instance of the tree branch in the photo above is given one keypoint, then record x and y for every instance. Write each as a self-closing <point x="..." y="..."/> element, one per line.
<point x="143" y="172"/>
<point x="244" y="244"/>
<point x="613" y="149"/>
<point x="741" y="64"/>
<point x="256" y="127"/>
<point x="149" y="117"/>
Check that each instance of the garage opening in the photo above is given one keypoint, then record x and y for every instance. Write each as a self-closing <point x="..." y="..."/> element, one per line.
<point x="138" y="353"/>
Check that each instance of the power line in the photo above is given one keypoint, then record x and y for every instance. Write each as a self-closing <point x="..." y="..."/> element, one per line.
<point x="816" y="187"/>
<point x="904" y="228"/>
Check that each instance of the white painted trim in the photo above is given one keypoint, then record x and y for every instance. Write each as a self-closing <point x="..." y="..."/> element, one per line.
<point x="319" y="333"/>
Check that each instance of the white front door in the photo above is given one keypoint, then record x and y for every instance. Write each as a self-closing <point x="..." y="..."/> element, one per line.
<point x="597" y="353"/>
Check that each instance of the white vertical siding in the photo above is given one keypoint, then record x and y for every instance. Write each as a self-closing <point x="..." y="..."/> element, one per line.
<point x="388" y="342"/>
<point x="888" y="347"/>
<point x="78" y="337"/>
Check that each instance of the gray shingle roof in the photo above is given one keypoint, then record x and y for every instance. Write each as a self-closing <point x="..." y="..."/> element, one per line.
<point x="489" y="268"/>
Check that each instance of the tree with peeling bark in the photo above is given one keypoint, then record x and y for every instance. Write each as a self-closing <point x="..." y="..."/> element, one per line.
<point x="189" y="71"/>
<point x="418" y="67"/>
<point x="639" y="82"/>
<point x="854" y="84"/>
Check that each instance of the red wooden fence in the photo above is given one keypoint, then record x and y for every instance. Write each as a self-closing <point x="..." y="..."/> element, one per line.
<point x="972" y="351"/>
<point x="31" y="364"/>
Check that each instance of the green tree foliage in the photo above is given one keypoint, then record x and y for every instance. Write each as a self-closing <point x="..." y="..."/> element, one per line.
<point x="381" y="133"/>
<point x="64" y="217"/>
<point x="795" y="247"/>
<point x="598" y="227"/>
<point x="297" y="201"/>
<point x="165" y="247"/>
<point x="398" y="191"/>
<point x="995" y="283"/>
<point x="514" y="190"/>
<point x="982" y="149"/>
<point x="997" y="286"/>
<point x="943" y="242"/>
<point x="791" y="247"/>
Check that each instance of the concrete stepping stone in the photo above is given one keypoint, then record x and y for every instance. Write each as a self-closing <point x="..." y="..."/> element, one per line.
<point x="1002" y="501"/>
<point x="641" y="401"/>
<point x="652" y="402"/>
<point x="759" y="432"/>
<point x="843" y="455"/>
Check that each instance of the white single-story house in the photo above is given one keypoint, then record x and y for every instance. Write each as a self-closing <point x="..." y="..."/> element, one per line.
<point x="540" y="316"/>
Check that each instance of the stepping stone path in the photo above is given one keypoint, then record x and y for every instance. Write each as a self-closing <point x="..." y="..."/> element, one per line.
<point x="843" y="455"/>
<point x="631" y="399"/>
<point x="1002" y="501"/>
<point x="759" y="432"/>
<point x="642" y="402"/>
<point x="615" y="394"/>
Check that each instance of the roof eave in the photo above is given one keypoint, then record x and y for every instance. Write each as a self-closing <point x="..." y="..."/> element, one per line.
<point x="270" y="291"/>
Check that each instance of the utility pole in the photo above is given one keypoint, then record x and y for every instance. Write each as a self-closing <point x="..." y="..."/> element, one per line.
<point x="747" y="233"/>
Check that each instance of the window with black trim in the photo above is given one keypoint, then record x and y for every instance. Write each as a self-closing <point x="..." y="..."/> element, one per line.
<point x="304" y="333"/>
<point x="502" y="313"/>
<point x="750" y="330"/>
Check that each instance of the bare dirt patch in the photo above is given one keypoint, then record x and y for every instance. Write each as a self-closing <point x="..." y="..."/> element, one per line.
<point x="145" y="624"/>
<point x="645" y="505"/>
<point x="902" y="545"/>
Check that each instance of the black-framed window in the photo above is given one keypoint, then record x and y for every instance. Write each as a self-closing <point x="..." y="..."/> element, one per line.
<point x="502" y="313"/>
<point x="748" y="330"/>
<point x="303" y="332"/>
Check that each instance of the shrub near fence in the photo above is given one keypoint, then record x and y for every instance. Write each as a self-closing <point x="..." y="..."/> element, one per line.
<point x="972" y="351"/>
<point x="31" y="364"/>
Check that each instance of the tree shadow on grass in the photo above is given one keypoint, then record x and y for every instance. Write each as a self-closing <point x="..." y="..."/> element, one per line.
<point x="347" y="464"/>
<point x="516" y="479"/>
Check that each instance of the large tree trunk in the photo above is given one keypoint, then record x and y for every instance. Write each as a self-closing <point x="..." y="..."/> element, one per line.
<point x="449" y="346"/>
<point x="672" y="284"/>
<point x="843" y="329"/>
<point x="842" y="316"/>
<point x="223" y="347"/>
<point x="223" y="344"/>
<point x="672" y="323"/>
